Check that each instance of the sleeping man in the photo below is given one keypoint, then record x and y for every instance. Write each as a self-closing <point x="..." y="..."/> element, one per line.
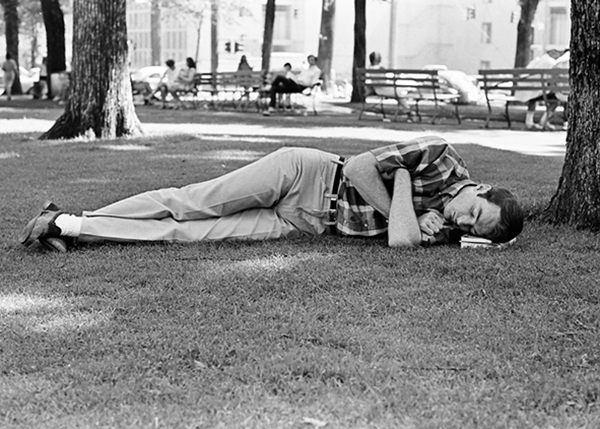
<point x="414" y="193"/>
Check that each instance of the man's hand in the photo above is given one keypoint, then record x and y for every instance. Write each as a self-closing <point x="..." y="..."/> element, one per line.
<point x="430" y="223"/>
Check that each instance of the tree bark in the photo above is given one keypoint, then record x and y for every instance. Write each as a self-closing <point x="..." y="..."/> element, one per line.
<point x="525" y="32"/>
<point x="155" y="33"/>
<point x="11" y="30"/>
<point x="214" y="36"/>
<point x="326" y="41"/>
<point x="360" y="47"/>
<point x="100" y="100"/>
<point x="268" y="36"/>
<point x="577" y="199"/>
<point x="55" y="39"/>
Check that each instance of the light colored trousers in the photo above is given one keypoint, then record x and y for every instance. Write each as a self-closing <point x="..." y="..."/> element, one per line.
<point x="284" y="194"/>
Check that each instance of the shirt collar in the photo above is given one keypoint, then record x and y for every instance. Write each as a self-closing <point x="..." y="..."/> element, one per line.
<point x="453" y="190"/>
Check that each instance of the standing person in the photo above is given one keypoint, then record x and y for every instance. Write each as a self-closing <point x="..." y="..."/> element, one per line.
<point x="11" y="70"/>
<point x="307" y="78"/>
<point x="416" y="192"/>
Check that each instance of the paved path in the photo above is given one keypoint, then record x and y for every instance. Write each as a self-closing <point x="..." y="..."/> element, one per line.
<point x="533" y="143"/>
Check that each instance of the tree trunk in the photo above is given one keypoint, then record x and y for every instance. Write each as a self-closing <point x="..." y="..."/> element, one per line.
<point x="11" y="30"/>
<point x="268" y="36"/>
<point x="577" y="199"/>
<point x="100" y="99"/>
<point x="214" y="37"/>
<point x="198" y="36"/>
<point x="55" y="39"/>
<point x="525" y="32"/>
<point x="326" y="41"/>
<point x="155" y="33"/>
<point x="360" y="47"/>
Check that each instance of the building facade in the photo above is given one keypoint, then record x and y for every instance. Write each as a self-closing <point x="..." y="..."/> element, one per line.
<point x="461" y="34"/>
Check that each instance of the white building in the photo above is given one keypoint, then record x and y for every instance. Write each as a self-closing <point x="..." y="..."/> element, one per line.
<point x="461" y="34"/>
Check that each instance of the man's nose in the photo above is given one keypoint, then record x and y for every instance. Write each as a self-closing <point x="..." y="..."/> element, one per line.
<point x="464" y="221"/>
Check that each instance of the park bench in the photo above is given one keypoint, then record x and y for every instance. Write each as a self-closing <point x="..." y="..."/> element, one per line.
<point x="411" y="86"/>
<point x="237" y="89"/>
<point x="503" y="86"/>
<point x="191" y="92"/>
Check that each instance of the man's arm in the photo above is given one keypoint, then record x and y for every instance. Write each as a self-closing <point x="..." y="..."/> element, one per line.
<point x="362" y="172"/>
<point x="403" y="227"/>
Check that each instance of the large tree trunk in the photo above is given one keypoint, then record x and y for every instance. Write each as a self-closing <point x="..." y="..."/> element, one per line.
<point x="100" y="98"/>
<point x="155" y="33"/>
<point x="11" y="30"/>
<point x="326" y="41"/>
<point x="268" y="36"/>
<point x="360" y="47"/>
<point x="55" y="39"/>
<point x="577" y="199"/>
<point x="525" y="32"/>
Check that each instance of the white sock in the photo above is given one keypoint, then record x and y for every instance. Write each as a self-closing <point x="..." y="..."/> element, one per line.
<point x="70" y="225"/>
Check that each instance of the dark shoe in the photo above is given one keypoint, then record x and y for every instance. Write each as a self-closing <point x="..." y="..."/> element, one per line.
<point x="42" y="226"/>
<point x="55" y="244"/>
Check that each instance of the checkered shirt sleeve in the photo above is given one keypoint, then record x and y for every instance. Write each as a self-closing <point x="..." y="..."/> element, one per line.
<point x="437" y="174"/>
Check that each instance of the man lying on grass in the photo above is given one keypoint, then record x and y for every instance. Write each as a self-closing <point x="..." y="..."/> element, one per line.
<point x="418" y="192"/>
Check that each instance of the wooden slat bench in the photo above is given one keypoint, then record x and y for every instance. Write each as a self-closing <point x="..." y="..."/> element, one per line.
<point x="413" y="86"/>
<point x="516" y="86"/>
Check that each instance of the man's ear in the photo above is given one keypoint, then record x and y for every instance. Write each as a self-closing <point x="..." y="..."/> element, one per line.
<point x="482" y="188"/>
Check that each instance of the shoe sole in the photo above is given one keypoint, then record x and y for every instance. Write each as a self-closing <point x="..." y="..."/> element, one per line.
<point x="54" y="244"/>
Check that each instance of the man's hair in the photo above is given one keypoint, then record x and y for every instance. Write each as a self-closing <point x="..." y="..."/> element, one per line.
<point x="511" y="215"/>
<point x="170" y="63"/>
<point x="374" y="58"/>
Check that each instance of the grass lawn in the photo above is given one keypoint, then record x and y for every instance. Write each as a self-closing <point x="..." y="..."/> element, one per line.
<point x="320" y="331"/>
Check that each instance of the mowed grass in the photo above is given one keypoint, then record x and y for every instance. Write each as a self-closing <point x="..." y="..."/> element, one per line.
<point x="318" y="331"/>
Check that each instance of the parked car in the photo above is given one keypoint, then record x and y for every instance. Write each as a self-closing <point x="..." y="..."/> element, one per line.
<point x="459" y="81"/>
<point x="28" y="79"/>
<point x="150" y="74"/>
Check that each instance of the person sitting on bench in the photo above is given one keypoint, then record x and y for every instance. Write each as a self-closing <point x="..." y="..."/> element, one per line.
<point x="307" y="78"/>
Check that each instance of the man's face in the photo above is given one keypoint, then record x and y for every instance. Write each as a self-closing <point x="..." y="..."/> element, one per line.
<point x="311" y="60"/>
<point x="471" y="213"/>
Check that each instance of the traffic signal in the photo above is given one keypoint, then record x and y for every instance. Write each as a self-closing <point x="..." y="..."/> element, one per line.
<point x="239" y="47"/>
<point x="227" y="46"/>
<point x="471" y="12"/>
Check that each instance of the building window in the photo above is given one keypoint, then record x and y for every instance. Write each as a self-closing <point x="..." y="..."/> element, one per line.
<point x="282" y="27"/>
<point x="486" y="32"/>
<point x="283" y="23"/>
<point x="559" y="26"/>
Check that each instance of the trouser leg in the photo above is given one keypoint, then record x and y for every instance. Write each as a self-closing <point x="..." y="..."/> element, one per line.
<point x="252" y="224"/>
<point x="282" y="84"/>
<point x="273" y="197"/>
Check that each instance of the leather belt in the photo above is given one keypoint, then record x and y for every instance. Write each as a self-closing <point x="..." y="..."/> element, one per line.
<point x="334" y="193"/>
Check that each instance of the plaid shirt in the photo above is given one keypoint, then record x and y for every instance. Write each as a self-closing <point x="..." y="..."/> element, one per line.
<point x="437" y="173"/>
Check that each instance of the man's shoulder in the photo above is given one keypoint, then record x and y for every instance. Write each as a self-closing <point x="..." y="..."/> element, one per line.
<point x="419" y="143"/>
